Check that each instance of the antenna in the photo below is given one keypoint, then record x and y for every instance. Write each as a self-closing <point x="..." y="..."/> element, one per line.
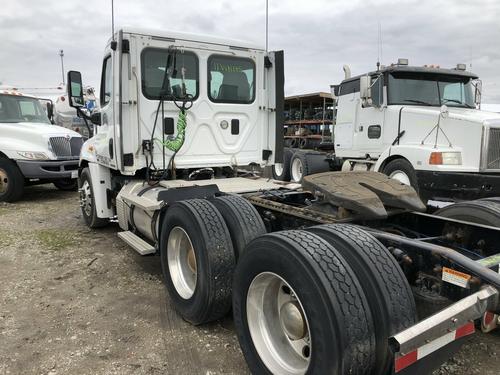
<point x="61" y="54"/>
<point x="379" y="47"/>
<point x="112" y="20"/>
<point x="267" y="25"/>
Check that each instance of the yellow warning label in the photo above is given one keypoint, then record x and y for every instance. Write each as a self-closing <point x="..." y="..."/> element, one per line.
<point x="456" y="277"/>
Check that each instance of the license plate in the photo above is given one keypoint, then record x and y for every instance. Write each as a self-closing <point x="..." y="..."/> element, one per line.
<point x="74" y="174"/>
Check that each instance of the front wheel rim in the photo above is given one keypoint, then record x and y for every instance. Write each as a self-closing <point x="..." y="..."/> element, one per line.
<point x="297" y="170"/>
<point x="86" y="198"/>
<point x="278" y="325"/>
<point x="182" y="264"/>
<point x="4" y="181"/>
<point x="401" y="177"/>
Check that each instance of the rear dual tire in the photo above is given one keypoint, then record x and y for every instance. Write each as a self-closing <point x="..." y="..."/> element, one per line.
<point x="306" y="163"/>
<point x="331" y="330"/>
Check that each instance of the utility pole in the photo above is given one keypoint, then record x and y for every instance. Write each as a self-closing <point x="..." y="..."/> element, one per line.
<point x="61" y="53"/>
<point x="267" y="25"/>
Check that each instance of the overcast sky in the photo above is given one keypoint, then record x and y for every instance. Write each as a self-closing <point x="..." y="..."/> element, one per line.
<point x="318" y="36"/>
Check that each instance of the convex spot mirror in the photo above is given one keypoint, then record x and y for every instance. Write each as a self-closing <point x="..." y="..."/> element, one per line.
<point x="75" y="89"/>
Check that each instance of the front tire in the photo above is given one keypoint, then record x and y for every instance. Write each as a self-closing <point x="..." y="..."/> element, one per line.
<point x="298" y="308"/>
<point x="87" y="201"/>
<point x="11" y="181"/>
<point x="197" y="260"/>
<point x="403" y="171"/>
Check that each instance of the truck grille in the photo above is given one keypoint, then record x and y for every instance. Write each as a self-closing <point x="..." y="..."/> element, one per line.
<point x="66" y="147"/>
<point x="493" y="149"/>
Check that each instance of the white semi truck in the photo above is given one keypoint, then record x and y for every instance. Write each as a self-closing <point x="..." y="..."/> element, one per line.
<point x="180" y="115"/>
<point x="32" y="150"/>
<point x="420" y="125"/>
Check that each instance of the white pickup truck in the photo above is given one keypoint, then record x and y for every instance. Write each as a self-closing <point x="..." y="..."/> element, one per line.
<point x="32" y="150"/>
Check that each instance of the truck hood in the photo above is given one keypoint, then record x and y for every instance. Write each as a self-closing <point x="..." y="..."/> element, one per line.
<point x="464" y="114"/>
<point x="35" y="129"/>
<point x="30" y="136"/>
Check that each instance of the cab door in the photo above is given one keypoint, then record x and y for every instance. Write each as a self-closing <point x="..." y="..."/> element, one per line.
<point x="104" y="139"/>
<point x="369" y="126"/>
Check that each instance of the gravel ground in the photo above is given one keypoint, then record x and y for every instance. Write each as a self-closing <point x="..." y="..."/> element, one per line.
<point x="76" y="301"/>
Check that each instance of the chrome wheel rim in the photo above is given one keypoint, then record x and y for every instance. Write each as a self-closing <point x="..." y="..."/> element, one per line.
<point x="297" y="170"/>
<point x="86" y="198"/>
<point x="278" y="325"/>
<point x="4" y="181"/>
<point x="401" y="177"/>
<point x="278" y="169"/>
<point x="182" y="262"/>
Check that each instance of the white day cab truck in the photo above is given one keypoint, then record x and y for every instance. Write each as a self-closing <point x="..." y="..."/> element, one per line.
<point x="310" y="292"/>
<point x="32" y="150"/>
<point x="420" y="125"/>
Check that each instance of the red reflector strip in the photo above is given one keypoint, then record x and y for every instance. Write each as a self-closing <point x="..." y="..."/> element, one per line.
<point x="403" y="361"/>
<point x="465" y="330"/>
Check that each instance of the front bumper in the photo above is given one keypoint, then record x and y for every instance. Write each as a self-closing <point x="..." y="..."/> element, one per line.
<point x="48" y="169"/>
<point x="458" y="185"/>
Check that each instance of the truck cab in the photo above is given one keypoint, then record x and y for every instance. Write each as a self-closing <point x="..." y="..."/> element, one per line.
<point x="32" y="150"/>
<point x="423" y="126"/>
<point x="176" y="105"/>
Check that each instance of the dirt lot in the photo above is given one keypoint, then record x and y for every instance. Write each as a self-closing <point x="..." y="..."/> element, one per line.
<point x="75" y="301"/>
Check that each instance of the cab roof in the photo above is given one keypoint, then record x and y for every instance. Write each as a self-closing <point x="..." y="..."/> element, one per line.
<point x="191" y="37"/>
<point x="418" y="69"/>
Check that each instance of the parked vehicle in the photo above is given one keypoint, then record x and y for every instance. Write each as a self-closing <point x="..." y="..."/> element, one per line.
<point x="422" y="126"/>
<point x="32" y="150"/>
<point x="309" y="293"/>
<point x="66" y="116"/>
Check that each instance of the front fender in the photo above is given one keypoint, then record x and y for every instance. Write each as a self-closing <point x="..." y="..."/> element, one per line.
<point x="418" y="156"/>
<point x="88" y="152"/>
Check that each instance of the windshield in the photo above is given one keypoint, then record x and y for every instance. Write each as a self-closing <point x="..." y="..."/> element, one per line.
<point x="430" y="89"/>
<point x="14" y="108"/>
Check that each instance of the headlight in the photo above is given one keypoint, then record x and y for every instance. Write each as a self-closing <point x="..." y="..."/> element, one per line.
<point x="33" y="155"/>
<point x="445" y="158"/>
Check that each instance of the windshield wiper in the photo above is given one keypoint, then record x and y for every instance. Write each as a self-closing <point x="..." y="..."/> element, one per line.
<point x="416" y="101"/>
<point x="457" y="101"/>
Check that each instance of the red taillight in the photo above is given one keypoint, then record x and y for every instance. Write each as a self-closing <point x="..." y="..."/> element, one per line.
<point x="63" y="98"/>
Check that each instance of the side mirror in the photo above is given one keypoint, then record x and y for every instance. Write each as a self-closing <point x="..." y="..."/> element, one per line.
<point x="478" y="85"/>
<point x="365" y="83"/>
<point x="75" y="89"/>
<point x="95" y="118"/>
<point x="50" y="111"/>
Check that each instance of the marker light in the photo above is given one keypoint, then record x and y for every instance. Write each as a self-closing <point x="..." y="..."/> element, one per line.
<point x="445" y="158"/>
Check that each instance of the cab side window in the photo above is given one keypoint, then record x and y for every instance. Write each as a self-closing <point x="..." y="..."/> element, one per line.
<point x="231" y="79"/>
<point x="106" y="81"/>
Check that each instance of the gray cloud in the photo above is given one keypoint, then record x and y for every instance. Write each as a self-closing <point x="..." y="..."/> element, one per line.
<point x="318" y="36"/>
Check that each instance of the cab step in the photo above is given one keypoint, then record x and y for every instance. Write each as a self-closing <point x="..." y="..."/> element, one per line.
<point x="137" y="243"/>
